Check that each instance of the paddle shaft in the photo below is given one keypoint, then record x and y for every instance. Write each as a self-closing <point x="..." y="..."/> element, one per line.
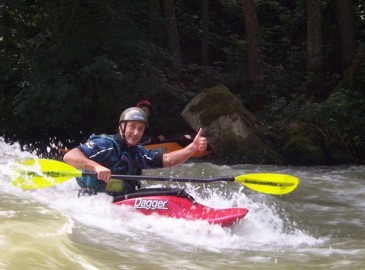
<point x="161" y="178"/>
<point x="44" y="173"/>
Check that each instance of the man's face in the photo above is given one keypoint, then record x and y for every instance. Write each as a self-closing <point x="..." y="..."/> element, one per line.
<point x="133" y="132"/>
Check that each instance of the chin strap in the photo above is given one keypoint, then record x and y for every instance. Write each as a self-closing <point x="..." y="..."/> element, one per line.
<point x="122" y="133"/>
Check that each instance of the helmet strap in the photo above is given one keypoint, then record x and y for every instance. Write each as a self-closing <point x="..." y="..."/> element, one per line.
<point x="122" y="130"/>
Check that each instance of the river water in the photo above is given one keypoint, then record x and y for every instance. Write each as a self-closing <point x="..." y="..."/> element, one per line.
<point x="318" y="226"/>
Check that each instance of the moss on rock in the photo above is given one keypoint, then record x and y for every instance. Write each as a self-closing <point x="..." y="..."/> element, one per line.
<point x="233" y="132"/>
<point x="218" y="97"/>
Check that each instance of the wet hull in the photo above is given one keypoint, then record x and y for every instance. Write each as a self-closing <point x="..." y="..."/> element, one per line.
<point x="183" y="207"/>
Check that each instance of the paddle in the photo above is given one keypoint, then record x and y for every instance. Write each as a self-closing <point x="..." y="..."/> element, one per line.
<point x="43" y="173"/>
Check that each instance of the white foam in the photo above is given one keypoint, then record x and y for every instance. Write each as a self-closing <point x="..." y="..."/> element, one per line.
<point x="266" y="225"/>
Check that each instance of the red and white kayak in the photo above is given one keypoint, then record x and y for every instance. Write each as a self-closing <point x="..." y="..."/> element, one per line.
<point x="173" y="144"/>
<point x="177" y="203"/>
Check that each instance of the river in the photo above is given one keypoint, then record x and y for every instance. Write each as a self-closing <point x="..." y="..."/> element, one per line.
<point x="320" y="225"/>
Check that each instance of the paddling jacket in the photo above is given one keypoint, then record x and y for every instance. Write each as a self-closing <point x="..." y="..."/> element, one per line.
<point x="111" y="151"/>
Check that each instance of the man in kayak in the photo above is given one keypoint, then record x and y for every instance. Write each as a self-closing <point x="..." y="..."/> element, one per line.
<point x="146" y="106"/>
<point x="122" y="154"/>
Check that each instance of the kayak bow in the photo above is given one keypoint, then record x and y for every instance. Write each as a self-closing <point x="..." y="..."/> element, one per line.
<point x="176" y="203"/>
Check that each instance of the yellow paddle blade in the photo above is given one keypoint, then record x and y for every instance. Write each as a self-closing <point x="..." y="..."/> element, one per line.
<point x="42" y="173"/>
<point x="269" y="183"/>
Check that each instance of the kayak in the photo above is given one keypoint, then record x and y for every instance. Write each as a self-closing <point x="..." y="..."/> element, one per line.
<point x="176" y="203"/>
<point x="166" y="147"/>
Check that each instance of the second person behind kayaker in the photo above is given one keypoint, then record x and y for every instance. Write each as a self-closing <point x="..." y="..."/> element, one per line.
<point x="148" y="138"/>
<point x="121" y="154"/>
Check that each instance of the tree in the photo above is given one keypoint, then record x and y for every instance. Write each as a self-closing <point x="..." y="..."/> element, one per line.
<point x="155" y="20"/>
<point x="314" y="45"/>
<point x="172" y="34"/>
<point x="205" y="33"/>
<point x="254" y="42"/>
<point x="347" y="34"/>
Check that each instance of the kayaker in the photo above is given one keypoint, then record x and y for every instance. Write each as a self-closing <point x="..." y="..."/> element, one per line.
<point x="146" y="106"/>
<point x="121" y="154"/>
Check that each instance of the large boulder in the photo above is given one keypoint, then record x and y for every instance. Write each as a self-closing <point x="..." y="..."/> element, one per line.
<point x="233" y="133"/>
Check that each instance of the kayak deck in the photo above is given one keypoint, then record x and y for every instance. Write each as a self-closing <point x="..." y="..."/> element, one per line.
<point x="177" y="203"/>
<point x="167" y="147"/>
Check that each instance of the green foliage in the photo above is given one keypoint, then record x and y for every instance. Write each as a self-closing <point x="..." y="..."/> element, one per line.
<point x="300" y="150"/>
<point x="344" y="113"/>
<point x="46" y="100"/>
<point x="335" y="127"/>
<point x="70" y="67"/>
<point x="78" y="67"/>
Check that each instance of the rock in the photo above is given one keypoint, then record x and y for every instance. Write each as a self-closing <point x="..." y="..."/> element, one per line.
<point x="233" y="133"/>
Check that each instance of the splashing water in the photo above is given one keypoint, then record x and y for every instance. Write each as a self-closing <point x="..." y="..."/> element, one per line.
<point x="87" y="226"/>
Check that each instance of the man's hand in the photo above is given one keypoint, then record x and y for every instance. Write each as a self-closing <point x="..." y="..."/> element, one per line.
<point x="200" y="142"/>
<point x="103" y="173"/>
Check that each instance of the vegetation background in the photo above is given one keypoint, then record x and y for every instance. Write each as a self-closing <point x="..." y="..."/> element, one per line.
<point x="68" y="68"/>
